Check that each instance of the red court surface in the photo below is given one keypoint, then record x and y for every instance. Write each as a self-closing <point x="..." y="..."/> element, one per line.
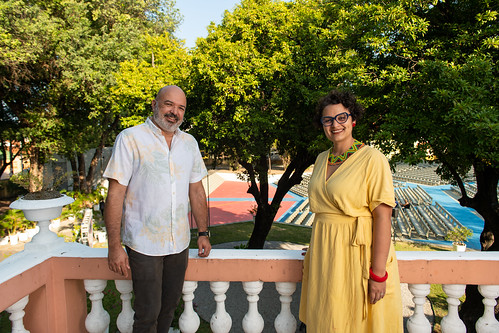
<point x="230" y="203"/>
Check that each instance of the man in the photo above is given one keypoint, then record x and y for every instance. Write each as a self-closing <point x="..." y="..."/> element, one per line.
<point x="155" y="169"/>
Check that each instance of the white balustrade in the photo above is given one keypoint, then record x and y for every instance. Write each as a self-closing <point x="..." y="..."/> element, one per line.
<point x="452" y="323"/>
<point x="285" y="322"/>
<point x="488" y="322"/>
<point x="253" y="320"/>
<point x="220" y="322"/>
<point x="418" y="323"/>
<point x="98" y="319"/>
<point x="17" y="314"/>
<point x="125" y="318"/>
<point x="189" y="320"/>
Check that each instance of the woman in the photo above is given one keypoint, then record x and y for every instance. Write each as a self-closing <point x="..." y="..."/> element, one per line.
<point x="350" y="278"/>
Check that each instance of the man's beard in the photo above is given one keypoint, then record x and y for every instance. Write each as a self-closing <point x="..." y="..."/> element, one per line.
<point x="165" y="125"/>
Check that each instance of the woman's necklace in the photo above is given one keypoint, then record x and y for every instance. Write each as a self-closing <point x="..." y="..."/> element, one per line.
<point x="337" y="160"/>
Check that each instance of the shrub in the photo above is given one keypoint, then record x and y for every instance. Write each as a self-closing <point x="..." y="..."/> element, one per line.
<point x="458" y="235"/>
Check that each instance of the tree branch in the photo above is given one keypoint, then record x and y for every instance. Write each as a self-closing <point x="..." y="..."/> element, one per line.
<point x="464" y="200"/>
<point x="253" y="189"/>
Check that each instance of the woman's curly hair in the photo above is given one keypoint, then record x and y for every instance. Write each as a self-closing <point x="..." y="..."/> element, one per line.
<point x="346" y="98"/>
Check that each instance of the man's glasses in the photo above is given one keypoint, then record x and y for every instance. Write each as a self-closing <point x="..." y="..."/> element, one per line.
<point x="340" y="119"/>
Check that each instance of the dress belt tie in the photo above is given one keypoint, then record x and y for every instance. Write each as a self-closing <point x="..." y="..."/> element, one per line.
<point x="363" y="237"/>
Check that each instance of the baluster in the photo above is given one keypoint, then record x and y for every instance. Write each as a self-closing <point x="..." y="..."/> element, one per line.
<point x="220" y="322"/>
<point x="253" y="321"/>
<point x="418" y="323"/>
<point x="98" y="319"/>
<point x="189" y="319"/>
<point x="488" y="322"/>
<point x="285" y="322"/>
<point x="452" y="323"/>
<point x="125" y="318"/>
<point x="16" y="311"/>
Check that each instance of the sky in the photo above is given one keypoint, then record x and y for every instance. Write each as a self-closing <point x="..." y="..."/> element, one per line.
<point x="197" y="16"/>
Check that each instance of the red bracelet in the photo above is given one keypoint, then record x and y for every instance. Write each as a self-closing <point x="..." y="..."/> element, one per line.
<point x="376" y="278"/>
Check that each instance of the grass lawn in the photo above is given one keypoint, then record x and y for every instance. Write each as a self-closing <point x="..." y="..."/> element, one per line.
<point x="242" y="232"/>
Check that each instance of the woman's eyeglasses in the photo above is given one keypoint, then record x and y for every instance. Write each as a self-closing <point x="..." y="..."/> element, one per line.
<point x="340" y="119"/>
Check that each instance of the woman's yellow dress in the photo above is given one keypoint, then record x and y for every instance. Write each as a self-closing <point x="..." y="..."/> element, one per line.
<point x="336" y="268"/>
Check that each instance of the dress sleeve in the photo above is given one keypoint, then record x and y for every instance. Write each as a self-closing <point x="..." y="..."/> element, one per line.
<point x="120" y="164"/>
<point x="379" y="182"/>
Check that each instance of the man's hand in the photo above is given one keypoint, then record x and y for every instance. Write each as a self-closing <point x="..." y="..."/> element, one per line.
<point x="118" y="261"/>
<point x="204" y="246"/>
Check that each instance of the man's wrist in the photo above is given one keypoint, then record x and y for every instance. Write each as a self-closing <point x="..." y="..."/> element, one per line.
<point x="204" y="233"/>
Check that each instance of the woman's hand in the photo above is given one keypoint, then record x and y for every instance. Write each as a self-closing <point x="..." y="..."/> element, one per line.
<point x="380" y="249"/>
<point x="376" y="291"/>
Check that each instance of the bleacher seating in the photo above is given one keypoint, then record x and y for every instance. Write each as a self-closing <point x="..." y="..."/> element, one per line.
<point x="422" y="218"/>
<point x="425" y="218"/>
<point x="470" y="188"/>
<point x="302" y="188"/>
<point x="86" y="228"/>
<point x="291" y="218"/>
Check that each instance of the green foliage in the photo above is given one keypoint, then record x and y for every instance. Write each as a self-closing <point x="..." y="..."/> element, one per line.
<point x="257" y="76"/>
<point x="12" y="221"/>
<point x="73" y="72"/>
<point x="58" y="64"/>
<point x="162" y="61"/>
<point x="453" y="101"/>
<point x="459" y="235"/>
<point x="9" y="189"/>
<point x="83" y="201"/>
<point x="48" y="183"/>
<point x="106" y="35"/>
<point x="446" y="111"/>
<point x="251" y="90"/>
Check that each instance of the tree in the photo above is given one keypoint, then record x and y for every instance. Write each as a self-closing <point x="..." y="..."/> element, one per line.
<point x="425" y="70"/>
<point x="163" y="61"/>
<point x="255" y="87"/>
<point x="26" y="66"/>
<point x="92" y="49"/>
<point x="258" y="75"/>
<point x="448" y="112"/>
<point x="59" y="66"/>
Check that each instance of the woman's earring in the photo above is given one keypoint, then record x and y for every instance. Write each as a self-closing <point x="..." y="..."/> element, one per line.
<point x="353" y="124"/>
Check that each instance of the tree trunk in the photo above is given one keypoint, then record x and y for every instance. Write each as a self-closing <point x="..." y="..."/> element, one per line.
<point x="263" y="223"/>
<point x="98" y="154"/>
<point x="266" y="212"/>
<point x="81" y="173"/>
<point x="35" y="171"/>
<point x="74" y="172"/>
<point x="5" y="163"/>
<point x="486" y="204"/>
<point x="4" y="156"/>
<point x="93" y="167"/>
